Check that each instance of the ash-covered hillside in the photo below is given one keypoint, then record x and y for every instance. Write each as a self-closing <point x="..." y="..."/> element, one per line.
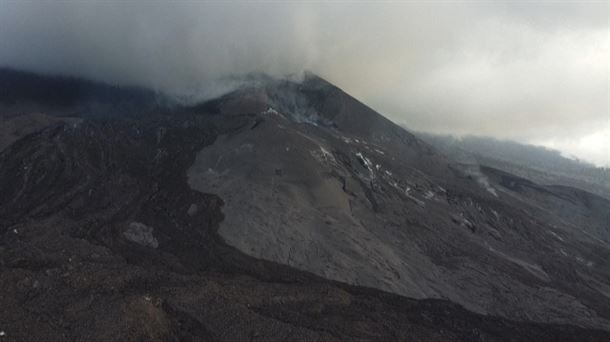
<point x="536" y="163"/>
<point x="283" y="210"/>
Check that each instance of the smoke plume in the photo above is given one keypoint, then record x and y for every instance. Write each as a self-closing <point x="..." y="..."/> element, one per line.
<point x="534" y="72"/>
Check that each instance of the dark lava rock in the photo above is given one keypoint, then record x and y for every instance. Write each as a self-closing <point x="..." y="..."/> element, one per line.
<point x="103" y="239"/>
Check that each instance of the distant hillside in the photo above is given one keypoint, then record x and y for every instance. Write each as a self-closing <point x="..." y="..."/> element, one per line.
<point x="26" y="91"/>
<point x="539" y="164"/>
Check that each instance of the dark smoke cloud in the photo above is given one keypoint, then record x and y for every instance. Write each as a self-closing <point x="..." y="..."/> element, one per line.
<point x="535" y="72"/>
<point x="179" y="48"/>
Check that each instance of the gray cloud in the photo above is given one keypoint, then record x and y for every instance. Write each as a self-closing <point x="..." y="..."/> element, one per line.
<point x="534" y="72"/>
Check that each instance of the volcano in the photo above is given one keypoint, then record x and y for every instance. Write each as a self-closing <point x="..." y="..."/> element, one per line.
<point x="283" y="210"/>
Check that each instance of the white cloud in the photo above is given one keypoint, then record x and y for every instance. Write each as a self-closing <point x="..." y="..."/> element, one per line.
<point x="594" y="147"/>
<point x="524" y="71"/>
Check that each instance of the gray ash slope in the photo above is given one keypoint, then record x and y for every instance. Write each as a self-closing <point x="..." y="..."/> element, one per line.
<point x="323" y="183"/>
<point x="283" y="211"/>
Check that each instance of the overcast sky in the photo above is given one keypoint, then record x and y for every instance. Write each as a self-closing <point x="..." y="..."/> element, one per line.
<point x="532" y="72"/>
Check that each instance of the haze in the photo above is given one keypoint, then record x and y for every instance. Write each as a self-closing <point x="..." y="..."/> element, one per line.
<point x="531" y="72"/>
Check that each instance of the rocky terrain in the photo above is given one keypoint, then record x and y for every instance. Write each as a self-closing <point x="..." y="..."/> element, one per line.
<point x="282" y="211"/>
